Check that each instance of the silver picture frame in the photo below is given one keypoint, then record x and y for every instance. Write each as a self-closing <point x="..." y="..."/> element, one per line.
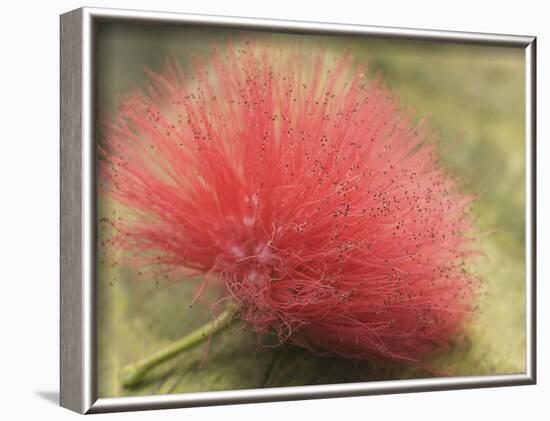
<point x="78" y="385"/>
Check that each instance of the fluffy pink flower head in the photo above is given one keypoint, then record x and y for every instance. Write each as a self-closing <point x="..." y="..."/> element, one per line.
<point x="303" y="186"/>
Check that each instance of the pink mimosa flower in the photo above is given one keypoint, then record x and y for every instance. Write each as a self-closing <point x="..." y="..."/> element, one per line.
<point x="302" y="185"/>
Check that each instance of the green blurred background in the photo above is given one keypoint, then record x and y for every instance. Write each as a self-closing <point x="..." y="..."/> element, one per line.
<point x="473" y="96"/>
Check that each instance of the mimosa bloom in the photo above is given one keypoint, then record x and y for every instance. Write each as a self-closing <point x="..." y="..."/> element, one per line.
<point x="302" y="185"/>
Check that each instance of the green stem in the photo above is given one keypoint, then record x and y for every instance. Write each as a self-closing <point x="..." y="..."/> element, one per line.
<point x="134" y="373"/>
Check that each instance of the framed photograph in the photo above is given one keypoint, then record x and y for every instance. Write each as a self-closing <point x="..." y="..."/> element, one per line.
<point x="258" y="210"/>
